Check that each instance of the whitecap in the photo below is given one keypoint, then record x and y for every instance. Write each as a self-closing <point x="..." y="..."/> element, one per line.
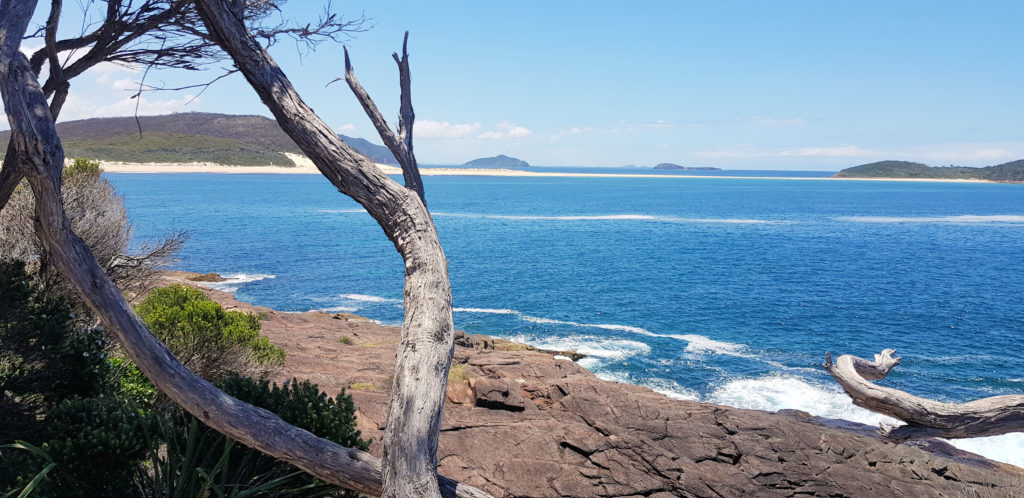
<point x="366" y="298"/>
<point x="234" y="281"/>
<point x="671" y="389"/>
<point x="1007" y="448"/>
<point x="486" y="310"/>
<point x="967" y="218"/>
<point x="609" y="217"/>
<point x="599" y="350"/>
<point x="339" y="309"/>
<point x="777" y="392"/>
<point x="695" y="343"/>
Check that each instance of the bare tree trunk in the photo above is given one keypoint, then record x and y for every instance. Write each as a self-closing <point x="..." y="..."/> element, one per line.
<point x="34" y="139"/>
<point x="925" y="417"/>
<point x="421" y="370"/>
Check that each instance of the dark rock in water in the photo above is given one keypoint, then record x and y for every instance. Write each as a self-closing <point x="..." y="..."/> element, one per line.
<point x="480" y="341"/>
<point x="208" y="277"/>
<point x="499" y="161"/>
<point x="497" y="394"/>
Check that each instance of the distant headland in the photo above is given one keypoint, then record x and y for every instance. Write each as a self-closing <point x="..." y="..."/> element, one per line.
<point x="1011" y="172"/>
<point x="498" y="161"/>
<point x="686" y="168"/>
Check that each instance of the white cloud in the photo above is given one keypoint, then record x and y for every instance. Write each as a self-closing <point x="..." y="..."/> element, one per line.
<point x="78" y="107"/>
<point x="426" y="128"/>
<point x="348" y="128"/>
<point x="576" y="130"/>
<point x="839" y="151"/>
<point x="506" y="129"/>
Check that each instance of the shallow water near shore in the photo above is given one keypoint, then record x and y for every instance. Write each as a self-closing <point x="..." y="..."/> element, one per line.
<point x="722" y="290"/>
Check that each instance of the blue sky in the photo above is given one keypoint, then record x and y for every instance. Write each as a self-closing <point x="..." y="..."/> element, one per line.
<point x="739" y="85"/>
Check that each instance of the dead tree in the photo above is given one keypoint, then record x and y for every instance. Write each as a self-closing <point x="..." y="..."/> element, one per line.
<point x="427" y="333"/>
<point x="424" y="355"/>
<point x="924" y="417"/>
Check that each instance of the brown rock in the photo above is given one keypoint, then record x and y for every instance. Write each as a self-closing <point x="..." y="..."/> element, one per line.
<point x="580" y="436"/>
<point x="498" y="394"/>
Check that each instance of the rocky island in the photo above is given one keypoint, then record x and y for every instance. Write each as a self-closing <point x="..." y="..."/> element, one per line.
<point x="522" y="422"/>
<point x="498" y="161"/>
<point x="1011" y="172"/>
<point x="686" y="168"/>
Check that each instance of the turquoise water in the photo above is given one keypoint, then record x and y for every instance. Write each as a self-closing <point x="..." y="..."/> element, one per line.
<point x="724" y="290"/>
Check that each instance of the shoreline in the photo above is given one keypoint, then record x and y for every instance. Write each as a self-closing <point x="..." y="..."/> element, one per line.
<point x="525" y="423"/>
<point x="306" y="167"/>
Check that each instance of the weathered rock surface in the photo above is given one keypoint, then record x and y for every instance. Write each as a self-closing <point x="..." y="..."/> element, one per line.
<point x="576" y="435"/>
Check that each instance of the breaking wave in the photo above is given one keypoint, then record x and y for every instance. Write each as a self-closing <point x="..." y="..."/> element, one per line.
<point x="609" y="217"/>
<point x="777" y="392"/>
<point x="695" y="343"/>
<point x="966" y="218"/>
<point x="234" y="281"/>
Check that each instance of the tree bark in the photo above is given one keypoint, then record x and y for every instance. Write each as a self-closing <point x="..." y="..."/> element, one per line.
<point x="424" y="354"/>
<point x="924" y="417"/>
<point x="41" y="157"/>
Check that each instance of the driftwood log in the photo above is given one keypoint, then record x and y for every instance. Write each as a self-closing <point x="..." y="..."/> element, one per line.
<point x="924" y="417"/>
<point x="40" y="159"/>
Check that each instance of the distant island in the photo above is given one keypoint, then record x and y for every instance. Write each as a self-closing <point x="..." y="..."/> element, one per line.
<point x="1011" y="172"/>
<point x="498" y="161"/>
<point x="234" y="140"/>
<point x="686" y="168"/>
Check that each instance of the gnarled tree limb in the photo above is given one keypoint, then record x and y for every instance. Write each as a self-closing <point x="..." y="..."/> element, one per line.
<point x="400" y="144"/>
<point x="924" y="417"/>
<point x="35" y="141"/>
<point x="424" y="354"/>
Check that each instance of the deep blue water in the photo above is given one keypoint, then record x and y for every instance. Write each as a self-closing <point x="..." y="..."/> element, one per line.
<point x="726" y="290"/>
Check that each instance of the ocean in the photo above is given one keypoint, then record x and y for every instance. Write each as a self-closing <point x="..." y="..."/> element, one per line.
<point x="722" y="290"/>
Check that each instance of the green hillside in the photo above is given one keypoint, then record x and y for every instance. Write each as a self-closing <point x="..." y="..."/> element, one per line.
<point x="190" y="137"/>
<point x="160" y="147"/>
<point x="1007" y="172"/>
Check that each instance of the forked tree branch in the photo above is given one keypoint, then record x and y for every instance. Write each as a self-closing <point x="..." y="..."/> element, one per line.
<point x="400" y="144"/>
<point x="924" y="417"/>
<point x="40" y="158"/>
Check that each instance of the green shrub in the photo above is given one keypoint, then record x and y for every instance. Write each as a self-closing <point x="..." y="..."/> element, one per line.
<point x="129" y="383"/>
<point x="198" y="461"/>
<point x="207" y="339"/>
<point x="98" y="445"/>
<point x="44" y="356"/>
<point x="81" y="166"/>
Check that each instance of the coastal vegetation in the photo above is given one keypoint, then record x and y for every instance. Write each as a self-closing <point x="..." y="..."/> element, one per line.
<point x="235" y="140"/>
<point x="1006" y="172"/>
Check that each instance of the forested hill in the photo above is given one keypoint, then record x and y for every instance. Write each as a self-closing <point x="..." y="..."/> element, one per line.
<point x="190" y="137"/>
<point x="1006" y="172"/>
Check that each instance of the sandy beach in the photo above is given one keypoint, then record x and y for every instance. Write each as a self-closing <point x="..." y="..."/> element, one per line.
<point x="304" y="166"/>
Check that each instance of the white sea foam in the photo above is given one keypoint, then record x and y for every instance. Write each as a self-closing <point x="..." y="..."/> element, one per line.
<point x="967" y="218"/>
<point x="609" y="217"/>
<point x="234" y="281"/>
<point x="339" y="309"/>
<point x="368" y="298"/>
<point x="599" y="350"/>
<point x="1008" y="448"/>
<point x="671" y="389"/>
<point x="695" y="343"/>
<point x="776" y="392"/>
